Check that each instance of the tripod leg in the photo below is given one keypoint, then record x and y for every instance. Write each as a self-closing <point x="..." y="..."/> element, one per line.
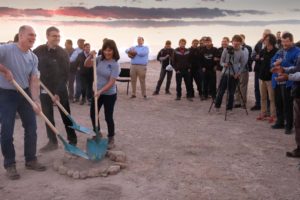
<point x="217" y="93"/>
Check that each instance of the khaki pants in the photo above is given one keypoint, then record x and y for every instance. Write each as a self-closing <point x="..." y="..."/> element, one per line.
<point x="138" y="71"/>
<point x="244" y="79"/>
<point x="266" y="90"/>
<point x="219" y="76"/>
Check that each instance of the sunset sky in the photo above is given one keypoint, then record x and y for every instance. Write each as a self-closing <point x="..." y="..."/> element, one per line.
<point x="156" y="20"/>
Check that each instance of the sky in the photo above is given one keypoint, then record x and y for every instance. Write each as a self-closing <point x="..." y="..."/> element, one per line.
<point x="155" y="20"/>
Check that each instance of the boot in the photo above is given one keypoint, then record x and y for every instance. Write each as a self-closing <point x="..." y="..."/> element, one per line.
<point x="50" y="146"/>
<point x="111" y="143"/>
<point x="11" y="173"/>
<point x="35" y="165"/>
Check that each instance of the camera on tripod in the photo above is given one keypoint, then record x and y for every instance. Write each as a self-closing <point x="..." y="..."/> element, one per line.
<point x="230" y="50"/>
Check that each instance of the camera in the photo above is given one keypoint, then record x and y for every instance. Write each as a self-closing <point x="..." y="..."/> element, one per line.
<point x="230" y="50"/>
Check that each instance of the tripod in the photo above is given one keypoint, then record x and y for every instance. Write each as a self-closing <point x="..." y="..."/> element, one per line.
<point x="228" y="85"/>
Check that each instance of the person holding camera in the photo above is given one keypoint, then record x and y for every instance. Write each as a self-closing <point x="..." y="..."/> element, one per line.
<point x="182" y="67"/>
<point x="232" y="60"/>
<point x="139" y="60"/>
<point x="285" y="57"/>
<point x="165" y="58"/>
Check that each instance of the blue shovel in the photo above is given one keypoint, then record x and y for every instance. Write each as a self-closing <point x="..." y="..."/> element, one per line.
<point x="74" y="126"/>
<point x="96" y="147"/>
<point x="68" y="147"/>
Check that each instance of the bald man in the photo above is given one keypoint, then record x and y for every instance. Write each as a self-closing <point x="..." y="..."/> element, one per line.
<point x="19" y="63"/>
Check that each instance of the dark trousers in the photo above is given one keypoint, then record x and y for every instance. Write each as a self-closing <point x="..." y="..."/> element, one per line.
<point x="12" y="102"/>
<point x="284" y="106"/>
<point x="86" y="86"/>
<point x="47" y="107"/>
<point x="256" y="89"/>
<point x="196" y="76"/>
<point x="77" y="85"/>
<point x="226" y="83"/>
<point x="72" y="77"/>
<point x="163" y="73"/>
<point x="185" y="75"/>
<point x="109" y="102"/>
<point x="297" y="120"/>
<point x="209" y="83"/>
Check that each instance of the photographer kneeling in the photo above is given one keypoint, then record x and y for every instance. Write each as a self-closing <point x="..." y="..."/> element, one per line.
<point x="233" y="58"/>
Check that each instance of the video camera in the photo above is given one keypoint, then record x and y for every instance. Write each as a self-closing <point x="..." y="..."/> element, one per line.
<point x="230" y="50"/>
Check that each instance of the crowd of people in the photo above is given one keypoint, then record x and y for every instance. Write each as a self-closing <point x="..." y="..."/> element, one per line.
<point x="68" y="74"/>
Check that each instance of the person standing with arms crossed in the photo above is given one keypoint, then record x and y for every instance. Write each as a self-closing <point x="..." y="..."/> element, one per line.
<point x="54" y="67"/>
<point x="18" y="62"/>
<point x="139" y="60"/>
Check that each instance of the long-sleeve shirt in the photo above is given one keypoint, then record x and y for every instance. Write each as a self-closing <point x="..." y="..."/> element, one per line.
<point x="54" y="67"/>
<point x="289" y="58"/>
<point x="238" y="60"/>
<point x="181" y="59"/>
<point x="142" y="56"/>
<point x="75" y="54"/>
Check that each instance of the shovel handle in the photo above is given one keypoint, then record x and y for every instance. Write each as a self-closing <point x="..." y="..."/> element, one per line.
<point x="95" y="88"/>
<point x="34" y="105"/>
<point x="52" y="97"/>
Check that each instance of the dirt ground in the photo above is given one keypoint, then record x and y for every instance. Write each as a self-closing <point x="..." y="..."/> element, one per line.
<point x="175" y="150"/>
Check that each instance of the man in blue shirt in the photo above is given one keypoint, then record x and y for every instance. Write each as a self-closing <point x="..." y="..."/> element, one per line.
<point x="286" y="57"/>
<point x="139" y="59"/>
<point x="19" y="63"/>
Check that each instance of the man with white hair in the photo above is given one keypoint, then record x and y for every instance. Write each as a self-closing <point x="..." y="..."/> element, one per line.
<point x="139" y="59"/>
<point x="17" y="62"/>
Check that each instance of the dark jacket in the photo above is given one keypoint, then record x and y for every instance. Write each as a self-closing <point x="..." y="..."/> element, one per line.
<point x="54" y="67"/>
<point x="208" y="58"/>
<point x="181" y="59"/>
<point x="80" y="64"/>
<point x="195" y="58"/>
<point x="250" y="60"/>
<point x="163" y="53"/>
<point x="265" y="64"/>
<point x="257" y="49"/>
<point x="219" y="54"/>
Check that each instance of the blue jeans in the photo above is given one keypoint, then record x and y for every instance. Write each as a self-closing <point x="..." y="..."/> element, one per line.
<point x="77" y="86"/>
<point x="12" y="102"/>
<point x="256" y="89"/>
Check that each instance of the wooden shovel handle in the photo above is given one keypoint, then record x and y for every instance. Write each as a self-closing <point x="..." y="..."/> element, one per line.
<point x="34" y="105"/>
<point x="52" y="97"/>
<point x="95" y="88"/>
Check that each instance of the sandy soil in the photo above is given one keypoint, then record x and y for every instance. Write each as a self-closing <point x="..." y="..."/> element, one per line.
<point x="175" y="150"/>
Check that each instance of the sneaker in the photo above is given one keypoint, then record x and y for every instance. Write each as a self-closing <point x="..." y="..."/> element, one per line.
<point x="168" y="93"/>
<point x="288" y="131"/>
<point x="294" y="154"/>
<point x="255" y="108"/>
<point x="132" y="97"/>
<point x="261" y="117"/>
<point x="277" y="126"/>
<point x="178" y="98"/>
<point x="111" y="143"/>
<point x="218" y="110"/>
<point x="35" y="165"/>
<point x="155" y="93"/>
<point x="189" y="99"/>
<point x="272" y="120"/>
<point x="237" y="105"/>
<point x="12" y="173"/>
<point x="50" y="146"/>
<point x="75" y="100"/>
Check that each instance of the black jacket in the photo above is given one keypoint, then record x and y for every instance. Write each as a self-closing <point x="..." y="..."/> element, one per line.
<point x="181" y="59"/>
<point x="163" y="53"/>
<point x="250" y="61"/>
<point x="257" y="49"/>
<point x="195" y="58"/>
<point x="80" y="64"/>
<point x="208" y="58"/>
<point x="265" y="64"/>
<point x="219" y="55"/>
<point x="54" y="67"/>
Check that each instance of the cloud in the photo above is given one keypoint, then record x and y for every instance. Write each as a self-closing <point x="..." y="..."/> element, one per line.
<point x="115" y="12"/>
<point x="169" y="23"/>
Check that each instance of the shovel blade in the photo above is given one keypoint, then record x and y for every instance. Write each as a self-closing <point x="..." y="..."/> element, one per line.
<point x="73" y="149"/>
<point x="96" y="149"/>
<point x="82" y="129"/>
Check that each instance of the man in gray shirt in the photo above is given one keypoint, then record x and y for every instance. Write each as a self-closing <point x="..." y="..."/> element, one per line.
<point x="19" y="63"/>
